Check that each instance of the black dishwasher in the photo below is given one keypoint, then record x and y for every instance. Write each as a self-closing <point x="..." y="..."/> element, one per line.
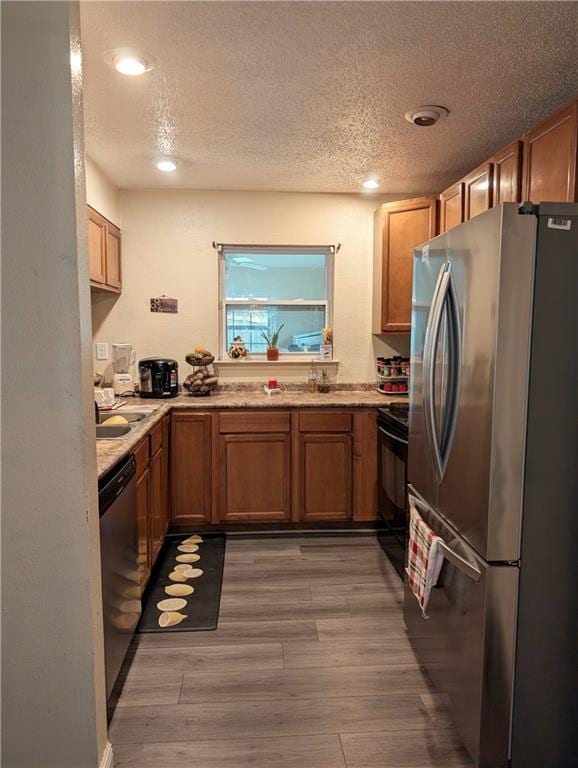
<point x="121" y="599"/>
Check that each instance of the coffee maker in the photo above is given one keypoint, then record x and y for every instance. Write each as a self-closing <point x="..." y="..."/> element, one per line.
<point x="123" y="360"/>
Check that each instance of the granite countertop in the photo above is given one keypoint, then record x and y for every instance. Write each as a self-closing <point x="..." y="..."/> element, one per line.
<point x="109" y="452"/>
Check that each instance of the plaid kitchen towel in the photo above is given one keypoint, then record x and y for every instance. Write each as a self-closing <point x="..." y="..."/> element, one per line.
<point x="425" y="559"/>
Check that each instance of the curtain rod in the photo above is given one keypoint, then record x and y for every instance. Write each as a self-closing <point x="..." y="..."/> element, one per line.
<point x="219" y="246"/>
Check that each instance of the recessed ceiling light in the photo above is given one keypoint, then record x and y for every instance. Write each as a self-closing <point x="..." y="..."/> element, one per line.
<point x="129" y="61"/>
<point x="424" y="117"/>
<point x="167" y="166"/>
<point x="131" y="65"/>
<point x="371" y="184"/>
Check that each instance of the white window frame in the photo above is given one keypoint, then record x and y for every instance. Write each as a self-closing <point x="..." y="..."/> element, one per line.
<point x="329" y="252"/>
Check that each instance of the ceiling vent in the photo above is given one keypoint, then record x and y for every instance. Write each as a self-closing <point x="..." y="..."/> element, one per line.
<point x="426" y="116"/>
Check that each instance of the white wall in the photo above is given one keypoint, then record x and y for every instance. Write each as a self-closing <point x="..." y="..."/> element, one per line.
<point x="101" y="193"/>
<point x="53" y="698"/>
<point x="166" y="241"/>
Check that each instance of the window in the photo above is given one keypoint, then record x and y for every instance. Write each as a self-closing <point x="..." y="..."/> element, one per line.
<point x="265" y="287"/>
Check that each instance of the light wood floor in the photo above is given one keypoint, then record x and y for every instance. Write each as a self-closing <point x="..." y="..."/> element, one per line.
<point x="309" y="668"/>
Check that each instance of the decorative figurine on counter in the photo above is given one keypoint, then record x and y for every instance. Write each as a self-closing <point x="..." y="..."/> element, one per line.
<point x="238" y="349"/>
<point x="203" y="379"/>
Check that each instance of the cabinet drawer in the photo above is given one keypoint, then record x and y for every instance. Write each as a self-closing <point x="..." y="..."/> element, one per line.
<point x="141" y="456"/>
<point x="235" y="422"/>
<point x="325" y="421"/>
<point x="156" y="437"/>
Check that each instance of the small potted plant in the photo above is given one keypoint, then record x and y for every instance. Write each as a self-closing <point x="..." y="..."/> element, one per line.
<point x="272" y="342"/>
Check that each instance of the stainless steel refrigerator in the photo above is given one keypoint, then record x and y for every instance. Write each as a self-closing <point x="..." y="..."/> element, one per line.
<point x="492" y="469"/>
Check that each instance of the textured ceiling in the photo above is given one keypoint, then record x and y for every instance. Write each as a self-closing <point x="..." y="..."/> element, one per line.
<point x="310" y="96"/>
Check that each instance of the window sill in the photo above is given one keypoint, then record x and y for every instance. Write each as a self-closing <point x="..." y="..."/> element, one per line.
<point x="302" y="360"/>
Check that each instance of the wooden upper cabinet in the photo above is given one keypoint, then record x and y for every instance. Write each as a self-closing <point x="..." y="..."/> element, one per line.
<point x="191" y="468"/>
<point x="255" y="477"/>
<point x="507" y="177"/>
<point x="96" y="247"/>
<point x="400" y="227"/>
<point x="478" y="191"/>
<point x="113" y="273"/>
<point x="104" y="252"/>
<point x="452" y="207"/>
<point x="550" y="158"/>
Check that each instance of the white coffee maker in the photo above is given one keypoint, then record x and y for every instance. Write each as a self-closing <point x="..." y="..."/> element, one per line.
<point x="123" y="361"/>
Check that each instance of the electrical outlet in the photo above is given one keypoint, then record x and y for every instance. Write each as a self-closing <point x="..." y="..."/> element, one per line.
<point x="101" y="350"/>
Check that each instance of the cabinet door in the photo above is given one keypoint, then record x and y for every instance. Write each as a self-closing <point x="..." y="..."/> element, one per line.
<point x="325" y="466"/>
<point x="255" y="482"/>
<point x="165" y="470"/>
<point x="143" y="493"/>
<point x="507" y="180"/>
<point x="550" y="158"/>
<point x="406" y="224"/>
<point x="478" y="191"/>
<point x="96" y="246"/>
<point x="157" y="528"/>
<point x="452" y="207"/>
<point x="191" y="467"/>
<point x="113" y="270"/>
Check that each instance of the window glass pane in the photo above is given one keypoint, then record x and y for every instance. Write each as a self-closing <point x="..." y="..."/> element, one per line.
<point x="275" y="276"/>
<point x="301" y="331"/>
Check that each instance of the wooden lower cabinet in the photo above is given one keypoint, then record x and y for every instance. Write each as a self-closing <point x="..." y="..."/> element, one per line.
<point x="143" y="502"/>
<point x="166" y="471"/>
<point x="324" y="477"/>
<point x="255" y="477"/>
<point x="157" y="528"/>
<point x="191" y="468"/>
<point x="251" y="467"/>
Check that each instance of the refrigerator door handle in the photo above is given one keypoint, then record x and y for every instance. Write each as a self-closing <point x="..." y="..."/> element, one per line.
<point x="429" y="354"/>
<point x="467" y="568"/>
<point x="462" y="565"/>
<point x="430" y="351"/>
<point x="444" y="298"/>
<point x="454" y="372"/>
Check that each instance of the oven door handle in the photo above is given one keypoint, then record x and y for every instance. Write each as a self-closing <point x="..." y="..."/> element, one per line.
<point x="393" y="437"/>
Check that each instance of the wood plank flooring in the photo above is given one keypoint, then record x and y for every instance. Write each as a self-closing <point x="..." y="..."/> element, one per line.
<point x="309" y="668"/>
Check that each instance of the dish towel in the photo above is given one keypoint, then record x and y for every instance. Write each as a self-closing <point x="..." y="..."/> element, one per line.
<point x="425" y="559"/>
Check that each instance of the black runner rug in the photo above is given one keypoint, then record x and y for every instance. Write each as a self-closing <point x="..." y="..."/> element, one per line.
<point x="189" y="574"/>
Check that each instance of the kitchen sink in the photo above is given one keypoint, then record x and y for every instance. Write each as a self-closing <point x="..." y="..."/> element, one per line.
<point x="112" y="431"/>
<point x="130" y="416"/>
<point x="121" y="431"/>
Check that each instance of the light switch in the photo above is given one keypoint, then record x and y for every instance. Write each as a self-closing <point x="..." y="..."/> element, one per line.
<point x="102" y="350"/>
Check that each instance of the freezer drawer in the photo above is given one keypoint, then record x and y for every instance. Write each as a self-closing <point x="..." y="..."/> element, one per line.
<point x="467" y="644"/>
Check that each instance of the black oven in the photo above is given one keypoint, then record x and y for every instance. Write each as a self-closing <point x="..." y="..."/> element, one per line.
<point x="392" y="425"/>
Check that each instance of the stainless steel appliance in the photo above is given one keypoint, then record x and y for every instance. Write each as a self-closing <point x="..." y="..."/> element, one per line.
<point x="158" y="377"/>
<point x="121" y="602"/>
<point x="392" y="421"/>
<point x="491" y="467"/>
